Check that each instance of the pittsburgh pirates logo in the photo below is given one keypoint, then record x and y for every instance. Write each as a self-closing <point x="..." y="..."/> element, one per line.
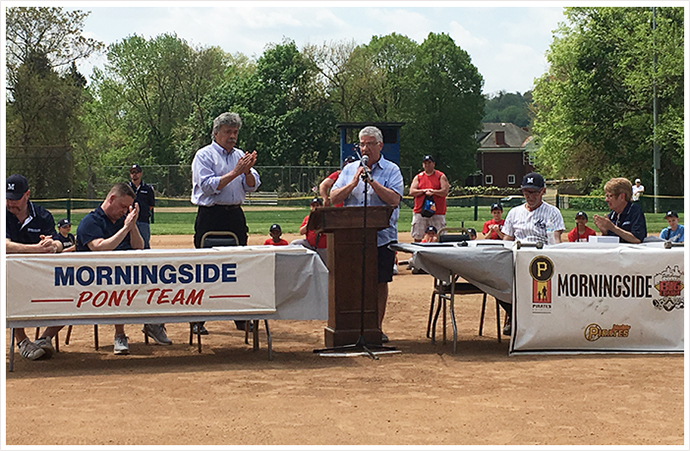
<point x="541" y="270"/>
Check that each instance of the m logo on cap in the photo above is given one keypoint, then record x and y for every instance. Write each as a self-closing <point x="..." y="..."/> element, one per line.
<point x="530" y="180"/>
<point x="10" y="186"/>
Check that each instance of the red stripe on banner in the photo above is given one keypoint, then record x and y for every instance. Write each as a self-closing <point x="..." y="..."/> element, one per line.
<point x="230" y="296"/>
<point x="52" y="300"/>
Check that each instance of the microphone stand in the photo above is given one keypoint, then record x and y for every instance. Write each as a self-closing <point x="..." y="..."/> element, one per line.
<point x="361" y="343"/>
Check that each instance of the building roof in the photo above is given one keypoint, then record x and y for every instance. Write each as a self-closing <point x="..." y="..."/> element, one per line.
<point x="512" y="136"/>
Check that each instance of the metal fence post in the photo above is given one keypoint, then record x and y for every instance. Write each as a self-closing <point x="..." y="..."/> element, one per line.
<point x="476" y="207"/>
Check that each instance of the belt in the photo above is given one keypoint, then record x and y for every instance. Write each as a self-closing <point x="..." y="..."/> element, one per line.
<point x="223" y="207"/>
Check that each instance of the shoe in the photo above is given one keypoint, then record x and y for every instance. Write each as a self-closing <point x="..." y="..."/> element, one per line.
<point x="395" y="270"/>
<point x="47" y="346"/>
<point x="121" y="347"/>
<point x="507" y="329"/>
<point x="418" y="271"/>
<point x="157" y="333"/>
<point x="240" y="325"/>
<point x="384" y="338"/>
<point x="29" y="350"/>
<point x="199" y="329"/>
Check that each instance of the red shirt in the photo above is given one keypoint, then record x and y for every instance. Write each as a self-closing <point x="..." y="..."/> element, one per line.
<point x="432" y="181"/>
<point x="311" y="236"/>
<point x="334" y="176"/>
<point x="270" y="242"/>
<point x="574" y="236"/>
<point x="494" y="235"/>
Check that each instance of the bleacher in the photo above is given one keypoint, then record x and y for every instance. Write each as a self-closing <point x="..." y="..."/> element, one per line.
<point x="261" y="198"/>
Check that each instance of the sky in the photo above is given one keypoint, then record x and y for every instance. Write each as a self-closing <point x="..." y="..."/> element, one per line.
<point x="506" y="43"/>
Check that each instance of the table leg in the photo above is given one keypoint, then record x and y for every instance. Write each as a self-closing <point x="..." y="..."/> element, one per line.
<point x="12" y="339"/>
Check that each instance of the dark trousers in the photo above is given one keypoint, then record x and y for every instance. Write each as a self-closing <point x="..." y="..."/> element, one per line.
<point x="220" y="218"/>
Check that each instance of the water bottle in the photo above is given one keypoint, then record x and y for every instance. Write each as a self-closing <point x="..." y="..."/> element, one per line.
<point x="550" y="238"/>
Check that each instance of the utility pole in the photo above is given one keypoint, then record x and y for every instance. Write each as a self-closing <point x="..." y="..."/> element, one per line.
<point x="655" y="107"/>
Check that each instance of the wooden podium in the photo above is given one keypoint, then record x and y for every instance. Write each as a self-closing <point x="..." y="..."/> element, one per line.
<point x="346" y="232"/>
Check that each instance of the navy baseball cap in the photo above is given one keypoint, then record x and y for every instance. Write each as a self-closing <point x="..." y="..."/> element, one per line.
<point x="316" y="200"/>
<point x="275" y="227"/>
<point x="17" y="185"/>
<point x="581" y="214"/>
<point x="496" y="207"/>
<point x="428" y="158"/>
<point x="63" y="223"/>
<point x="532" y="181"/>
<point x="135" y="168"/>
<point x="431" y="229"/>
<point x="349" y="160"/>
<point x="671" y="214"/>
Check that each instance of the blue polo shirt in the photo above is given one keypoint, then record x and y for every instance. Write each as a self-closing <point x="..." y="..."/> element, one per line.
<point x="97" y="225"/>
<point x="40" y="222"/>
<point x="631" y="219"/>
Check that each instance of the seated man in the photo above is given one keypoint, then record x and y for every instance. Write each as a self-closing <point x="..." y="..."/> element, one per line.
<point x="113" y="226"/>
<point x="30" y="229"/>
<point x="626" y="219"/>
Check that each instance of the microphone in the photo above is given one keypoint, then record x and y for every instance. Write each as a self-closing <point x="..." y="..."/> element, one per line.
<point x="363" y="162"/>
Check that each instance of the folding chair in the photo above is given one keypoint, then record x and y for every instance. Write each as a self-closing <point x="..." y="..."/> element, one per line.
<point x="222" y="239"/>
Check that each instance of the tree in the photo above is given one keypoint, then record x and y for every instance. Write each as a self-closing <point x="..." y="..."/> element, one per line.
<point x="447" y="107"/>
<point x="594" y="106"/>
<point x="45" y="95"/>
<point x="508" y="107"/>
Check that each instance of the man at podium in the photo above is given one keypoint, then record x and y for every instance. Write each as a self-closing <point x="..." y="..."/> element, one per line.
<point x="384" y="187"/>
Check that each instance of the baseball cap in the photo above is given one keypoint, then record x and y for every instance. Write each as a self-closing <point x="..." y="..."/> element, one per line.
<point x="496" y="207"/>
<point x="135" y="167"/>
<point x="428" y="158"/>
<point x="581" y="213"/>
<point x="349" y="159"/>
<point x="316" y="200"/>
<point x="17" y="185"/>
<point x="670" y="214"/>
<point x="275" y="227"/>
<point x="63" y="222"/>
<point x="430" y="229"/>
<point x="638" y="180"/>
<point x="532" y="181"/>
<point x="471" y="231"/>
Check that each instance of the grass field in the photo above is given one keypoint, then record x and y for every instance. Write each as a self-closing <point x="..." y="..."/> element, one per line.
<point x="259" y="219"/>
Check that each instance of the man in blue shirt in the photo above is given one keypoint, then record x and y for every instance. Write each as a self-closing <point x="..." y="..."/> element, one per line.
<point x="626" y="219"/>
<point x="113" y="226"/>
<point x="146" y="199"/>
<point x="221" y="176"/>
<point x="675" y="232"/>
<point x="30" y="229"/>
<point x="385" y="187"/>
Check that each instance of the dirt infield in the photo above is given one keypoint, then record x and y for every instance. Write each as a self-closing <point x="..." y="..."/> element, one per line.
<point x="426" y="395"/>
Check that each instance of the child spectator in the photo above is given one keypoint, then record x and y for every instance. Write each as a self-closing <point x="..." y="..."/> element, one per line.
<point x="275" y="239"/>
<point x="430" y="235"/>
<point x="312" y="240"/>
<point x="493" y="226"/>
<point x="580" y="232"/>
<point x="675" y="232"/>
<point x="64" y="236"/>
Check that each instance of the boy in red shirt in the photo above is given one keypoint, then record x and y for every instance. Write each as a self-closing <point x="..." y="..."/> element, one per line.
<point x="581" y="232"/>
<point x="275" y="239"/>
<point x="430" y="235"/>
<point x="493" y="226"/>
<point x="310" y="240"/>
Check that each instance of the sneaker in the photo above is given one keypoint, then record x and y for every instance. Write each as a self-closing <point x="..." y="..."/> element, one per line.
<point x="418" y="271"/>
<point x="121" y="347"/>
<point x="384" y="338"/>
<point x="47" y="346"/>
<point x="240" y="324"/>
<point x="157" y="333"/>
<point x="507" y="329"/>
<point x="29" y="350"/>
<point x="199" y="329"/>
<point x="395" y="270"/>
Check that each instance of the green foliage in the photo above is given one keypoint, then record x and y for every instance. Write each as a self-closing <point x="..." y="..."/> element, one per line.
<point x="594" y="106"/>
<point x="508" y="107"/>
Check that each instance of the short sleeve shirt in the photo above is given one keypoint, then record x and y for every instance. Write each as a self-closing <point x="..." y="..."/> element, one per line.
<point x="40" y="222"/>
<point x="67" y="241"/>
<point x="146" y="198"/>
<point x="675" y="237"/>
<point x="97" y="225"/>
<point x="387" y="174"/>
<point x="530" y="226"/>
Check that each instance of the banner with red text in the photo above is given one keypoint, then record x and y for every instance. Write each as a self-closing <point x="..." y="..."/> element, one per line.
<point x="163" y="283"/>
<point x="580" y="297"/>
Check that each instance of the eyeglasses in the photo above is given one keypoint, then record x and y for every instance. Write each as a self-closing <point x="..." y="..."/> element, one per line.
<point x="367" y="144"/>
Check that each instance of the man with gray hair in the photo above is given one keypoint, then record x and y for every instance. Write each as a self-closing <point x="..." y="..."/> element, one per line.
<point x="385" y="187"/>
<point x="221" y="176"/>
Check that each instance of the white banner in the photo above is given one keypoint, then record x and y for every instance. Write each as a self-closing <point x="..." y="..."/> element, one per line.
<point x="163" y="283"/>
<point x="579" y="297"/>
